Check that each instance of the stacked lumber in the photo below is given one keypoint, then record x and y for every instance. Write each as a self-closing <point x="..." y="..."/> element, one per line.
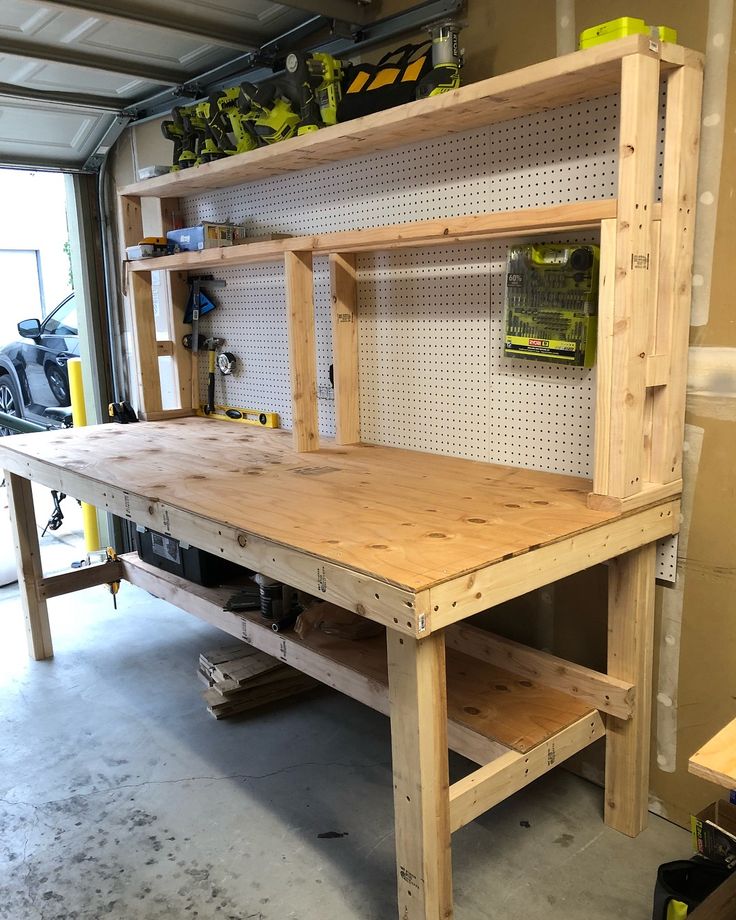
<point x="240" y="678"/>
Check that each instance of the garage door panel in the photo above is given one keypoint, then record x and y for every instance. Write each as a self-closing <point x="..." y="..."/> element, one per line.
<point x="65" y="135"/>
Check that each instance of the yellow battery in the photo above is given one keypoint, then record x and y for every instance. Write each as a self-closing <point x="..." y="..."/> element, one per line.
<point x="620" y="28"/>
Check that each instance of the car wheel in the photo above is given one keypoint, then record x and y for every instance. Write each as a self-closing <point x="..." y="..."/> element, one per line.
<point x="9" y="402"/>
<point x="57" y="384"/>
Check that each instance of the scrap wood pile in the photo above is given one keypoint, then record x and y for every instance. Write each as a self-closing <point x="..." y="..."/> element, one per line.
<point x="239" y="678"/>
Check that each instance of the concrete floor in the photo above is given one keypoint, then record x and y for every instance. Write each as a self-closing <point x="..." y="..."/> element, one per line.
<point x="120" y="797"/>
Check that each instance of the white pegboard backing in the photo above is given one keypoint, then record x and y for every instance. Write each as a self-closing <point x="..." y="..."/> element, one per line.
<point x="424" y="350"/>
<point x="432" y="371"/>
<point x="251" y="317"/>
<point x="568" y="154"/>
<point x="667" y="559"/>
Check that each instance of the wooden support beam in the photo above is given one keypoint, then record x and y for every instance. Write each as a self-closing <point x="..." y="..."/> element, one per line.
<point x="476" y="793"/>
<point x="418" y="698"/>
<point x="30" y="569"/>
<point x="679" y="186"/>
<point x="615" y="697"/>
<point x="140" y="301"/>
<point x="604" y="358"/>
<point x="79" y="579"/>
<point x="630" y="649"/>
<point x="302" y="349"/>
<point x="634" y="291"/>
<point x="345" y="347"/>
<point x="458" y="598"/>
<point x="175" y="290"/>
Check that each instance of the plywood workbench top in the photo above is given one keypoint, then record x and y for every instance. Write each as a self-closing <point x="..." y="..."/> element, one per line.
<point x="411" y="519"/>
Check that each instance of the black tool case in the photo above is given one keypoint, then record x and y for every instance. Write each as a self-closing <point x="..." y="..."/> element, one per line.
<point x="188" y="562"/>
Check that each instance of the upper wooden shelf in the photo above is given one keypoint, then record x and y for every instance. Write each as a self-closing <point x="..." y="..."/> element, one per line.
<point x="580" y="215"/>
<point x="566" y="79"/>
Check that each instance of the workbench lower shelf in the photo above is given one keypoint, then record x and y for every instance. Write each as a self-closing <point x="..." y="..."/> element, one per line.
<point x="495" y="716"/>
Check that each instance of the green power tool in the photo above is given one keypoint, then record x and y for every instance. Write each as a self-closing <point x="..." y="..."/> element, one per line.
<point x="273" y="116"/>
<point x="317" y="83"/>
<point x="232" y="127"/>
<point x="179" y="130"/>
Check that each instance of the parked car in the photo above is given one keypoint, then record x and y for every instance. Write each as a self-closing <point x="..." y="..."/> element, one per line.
<point x="33" y="373"/>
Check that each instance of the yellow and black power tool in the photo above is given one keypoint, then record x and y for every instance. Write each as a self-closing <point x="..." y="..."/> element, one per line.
<point x="317" y="85"/>
<point x="232" y="127"/>
<point x="271" y="114"/>
<point x="179" y="130"/>
<point x="447" y="60"/>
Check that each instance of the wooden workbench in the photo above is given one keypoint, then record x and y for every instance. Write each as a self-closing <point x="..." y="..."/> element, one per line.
<point x="716" y="759"/>
<point x="414" y="541"/>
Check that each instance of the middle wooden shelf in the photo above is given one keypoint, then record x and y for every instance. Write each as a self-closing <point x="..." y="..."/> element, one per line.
<point x="583" y="215"/>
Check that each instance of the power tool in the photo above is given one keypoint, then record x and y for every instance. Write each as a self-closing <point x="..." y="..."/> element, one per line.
<point x="447" y="60"/>
<point x="273" y="116"/>
<point x="317" y="82"/>
<point x="179" y="130"/>
<point x="234" y="127"/>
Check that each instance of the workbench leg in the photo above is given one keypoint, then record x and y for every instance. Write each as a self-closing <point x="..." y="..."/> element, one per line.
<point x="630" y="650"/>
<point x="418" y="696"/>
<point x="30" y="571"/>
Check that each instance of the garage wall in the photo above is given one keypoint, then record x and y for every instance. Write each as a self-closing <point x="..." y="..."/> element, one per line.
<point x="695" y="678"/>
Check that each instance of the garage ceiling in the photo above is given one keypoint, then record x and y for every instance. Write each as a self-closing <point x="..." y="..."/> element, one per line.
<point x="72" y="71"/>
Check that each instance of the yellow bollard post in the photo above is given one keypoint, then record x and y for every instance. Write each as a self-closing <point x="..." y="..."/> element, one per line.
<point x="79" y="415"/>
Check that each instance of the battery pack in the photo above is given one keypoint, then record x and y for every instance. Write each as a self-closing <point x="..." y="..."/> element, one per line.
<point x="551" y="304"/>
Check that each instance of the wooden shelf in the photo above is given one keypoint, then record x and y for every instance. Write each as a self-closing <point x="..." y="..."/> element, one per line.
<point x="716" y="760"/>
<point x="491" y="710"/>
<point x="560" y="81"/>
<point x="577" y="216"/>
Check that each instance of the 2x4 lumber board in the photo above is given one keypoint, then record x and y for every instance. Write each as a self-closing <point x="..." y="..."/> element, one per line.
<point x="302" y="350"/>
<point x="140" y="301"/>
<point x="604" y="371"/>
<point x="79" y="579"/>
<point x="30" y="569"/>
<point x="634" y="296"/>
<point x="631" y="579"/>
<point x="716" y="759"/>
<point x="222" y="256"/>
<point x="483" y="789"/>
<point x="608" y="694"/>
<point x="354" y="668"/>
<point x="345" y="347"/>
<point x="461" y="597"/>
<point x="651" y="493"/>
<point x="448" y="231"/>
<point x="537" y="88"/>
<point x="418" y="697"/>
<point x="176" y="295"/>
<point x="682" y="143"/>
<point x="166" y="414"/>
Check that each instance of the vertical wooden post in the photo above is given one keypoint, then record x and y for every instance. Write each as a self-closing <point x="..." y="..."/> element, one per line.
<point x="634" y="295"/>
<point x="344" y="291"/>
<point x="302" y="349"/>
<point x="630" y="650"/>
<point x="418" y="697"/>
<point x="30" y="570"/>
<point x="176" y="292"/>
<point x="140" y="297"/>
<point x="604" y="356"/>
<point x="682" y="141"/>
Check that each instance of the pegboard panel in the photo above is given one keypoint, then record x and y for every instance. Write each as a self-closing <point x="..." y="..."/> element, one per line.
<point x="432" y="372"/>
<point x="667" y="559"/>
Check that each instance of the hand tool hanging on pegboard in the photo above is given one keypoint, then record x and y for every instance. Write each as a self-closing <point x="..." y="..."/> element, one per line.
<point x="199" y="304"/>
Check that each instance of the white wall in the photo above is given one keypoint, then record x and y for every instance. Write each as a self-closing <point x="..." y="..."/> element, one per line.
<point x="34" y="218"/>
